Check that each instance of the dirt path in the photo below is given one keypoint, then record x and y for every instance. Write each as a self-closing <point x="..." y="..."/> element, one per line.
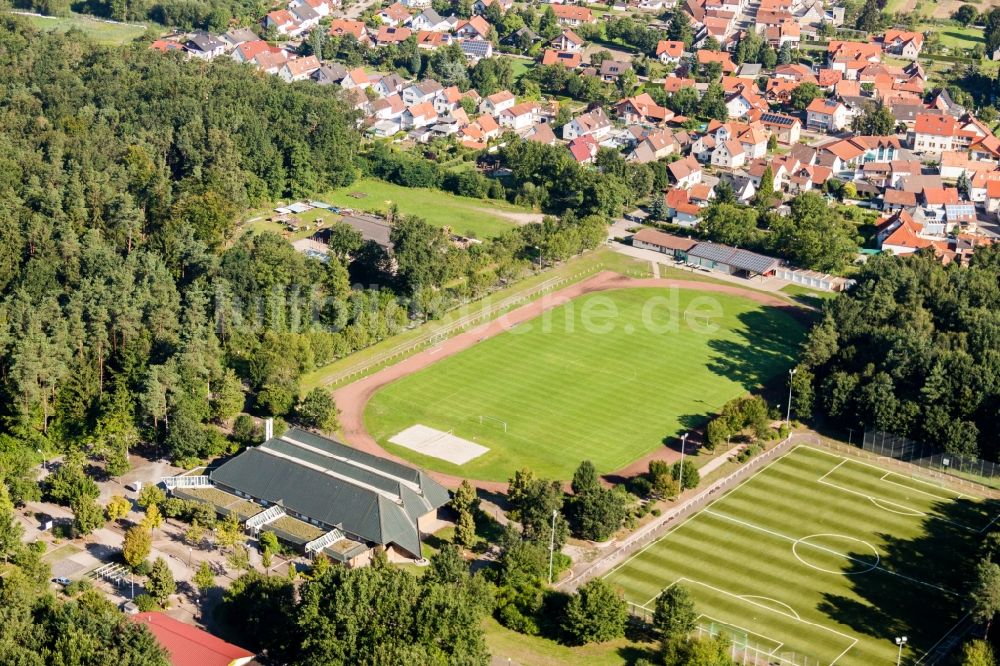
<point x="353" y="398"/>
<point x="519" y="219"/>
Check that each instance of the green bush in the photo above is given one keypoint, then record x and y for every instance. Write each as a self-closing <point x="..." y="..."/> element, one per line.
<point x="146" y="603"/>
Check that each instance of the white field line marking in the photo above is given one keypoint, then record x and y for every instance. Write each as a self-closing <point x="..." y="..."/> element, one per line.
<point x="788" y="538"/>
<point x="727" y="493"/>
<point x="854" y="641"/>
<point x="941" y="640"/>
<point x="780" y="603"/>
<point x="880" y="502"/>
<point x="748" y="632"/>
<point x="950" y="498"/>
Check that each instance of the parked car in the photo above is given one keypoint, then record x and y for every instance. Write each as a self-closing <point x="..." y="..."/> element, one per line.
<point x="62" y="580"/>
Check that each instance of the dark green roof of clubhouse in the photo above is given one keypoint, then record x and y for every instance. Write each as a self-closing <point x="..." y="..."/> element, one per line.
<point x="371" y="497"/>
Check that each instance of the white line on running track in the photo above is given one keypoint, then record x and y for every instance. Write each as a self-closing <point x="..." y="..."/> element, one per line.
<point x="788" y="538"/>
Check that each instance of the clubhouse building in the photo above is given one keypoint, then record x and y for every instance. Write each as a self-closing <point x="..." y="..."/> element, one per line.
<point x="322" y="496"/>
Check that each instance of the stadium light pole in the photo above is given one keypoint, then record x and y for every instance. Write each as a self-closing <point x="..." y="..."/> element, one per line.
<point x="900" y="641"/>
<point x="788" y="414"/>
<point x="552" y="543"/>
<point x="681" y="474"/>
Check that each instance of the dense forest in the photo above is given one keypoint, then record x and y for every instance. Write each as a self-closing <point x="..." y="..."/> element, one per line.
<point x="913" y="349"/>
<point x="131" y="309"/>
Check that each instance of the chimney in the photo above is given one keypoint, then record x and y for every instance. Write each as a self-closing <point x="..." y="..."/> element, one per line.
<point x="268" y="428"/>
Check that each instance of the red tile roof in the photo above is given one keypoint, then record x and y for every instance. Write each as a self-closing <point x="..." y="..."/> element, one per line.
<point x="189" y="645"/>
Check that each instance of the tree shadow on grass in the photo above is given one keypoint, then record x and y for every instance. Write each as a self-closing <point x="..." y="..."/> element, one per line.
<point x="766" y="346"/>
<point x="919" y="586"/>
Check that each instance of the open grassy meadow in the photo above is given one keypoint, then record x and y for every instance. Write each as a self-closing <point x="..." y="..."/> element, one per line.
<point x="102" y="32"/>
<point x="605" y="377"/>
<point x="821" y="559"/>
<point x="464" y="215"/>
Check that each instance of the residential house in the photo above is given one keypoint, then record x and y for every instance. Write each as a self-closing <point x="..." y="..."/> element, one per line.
<point x="421" y="91"/>
<point x="744" y="99"/>
<point x="429" y="20"/>
<point x="357" y="78"/>
<point x="669" y="52"/>
<point x="340" y="27"/>
<point x="654" y="146"/>
<point x="476" y="49"/>
<point x="299" y="69"/>
<point x="704" y="57"/>
<point x="419" y="115"/>
<point x="611" y="70"/>
<point x="594" y="123"/>
<point x="249" y="51"/>
<point x="394" y="15"/>
<point x="475" y="28"/>
<point x="480" y="6"/>
<point x="390" y="84"/>
<point x="541" y="133"/>
<point x="686" y="172"/>
<point x="447" y="100"/>
<point x="204" y="46"/>
<point x="826" y="114"/>
<point x="786" y="128"/>
<point x="282" y="21"/>
<point x="729" y="154"/>
<point x="903" y="43"/>
<point x="573" y="15"/>
<point x="568" y="41"/>
<point x="519" y="116"/>
<point x="238" y="36"/>
<point x="568" y="59"/>
<point x="270" y="61"/>
<point x="165" y="45"/>
<point x="388" y="34"/>
<point x="934" y="133"/>
<point x="583" y="149"/>
<point x="497" y="102"/>
<point x="642" y="109"/>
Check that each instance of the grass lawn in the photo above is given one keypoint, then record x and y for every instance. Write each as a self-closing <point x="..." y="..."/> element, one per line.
<point x="956" y="37"/>
<point x="822" y="556"/>
<point x="520" y="67"/>
<point x="101" y="32"/>
<point x="464" y="215"/>
<point x="605" y="377"/>
<point x="524" y="650"/>
<point x="809" y="297"/>
<point x="583" y="266"/>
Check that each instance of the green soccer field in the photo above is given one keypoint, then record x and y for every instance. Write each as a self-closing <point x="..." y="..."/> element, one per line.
<point x="608" y="392"/>
<point x="821" y="559"/>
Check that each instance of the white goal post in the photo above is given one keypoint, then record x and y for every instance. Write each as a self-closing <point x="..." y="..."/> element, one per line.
<point x="483" y="418"/>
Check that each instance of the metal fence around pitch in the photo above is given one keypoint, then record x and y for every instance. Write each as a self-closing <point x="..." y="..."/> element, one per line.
<point x="897" y="447"/>
<point x="744" y="650"/>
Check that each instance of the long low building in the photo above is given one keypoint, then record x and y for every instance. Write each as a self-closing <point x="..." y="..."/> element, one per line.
<point x="731" y="260"/>
<point x="707" y="255"/>
<point x="352" y="500"/>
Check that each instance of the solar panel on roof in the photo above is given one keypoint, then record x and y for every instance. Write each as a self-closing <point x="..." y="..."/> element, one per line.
<point x="776" y="119"/>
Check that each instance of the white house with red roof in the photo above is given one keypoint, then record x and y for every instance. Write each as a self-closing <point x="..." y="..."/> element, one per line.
<point x="669" y="52"/>
<point x="934" y="133"/>
<point x="826" y="114"/>
<point x="903" y="43"/>
<point x="519" y="116"/>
